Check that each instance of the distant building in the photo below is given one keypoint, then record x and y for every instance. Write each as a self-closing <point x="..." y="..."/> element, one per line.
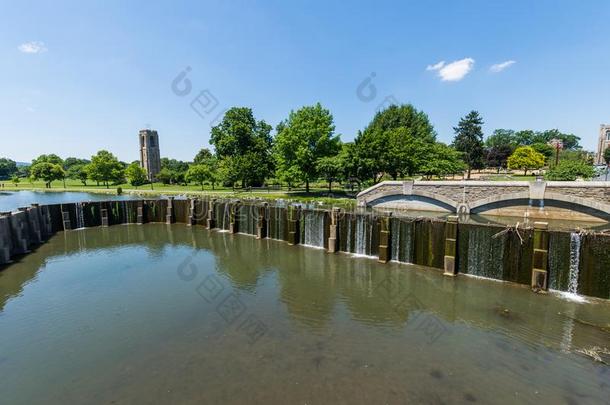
<point x="150" y="157"/>
<point x="603" y="143"/>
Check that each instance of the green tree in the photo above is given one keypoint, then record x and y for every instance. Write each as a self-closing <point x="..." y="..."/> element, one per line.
<point x="15" y="179"/>
<point x="172" y="171"/>
<point x="136" y="174"/>
<point x="570" y="171"/>
<point x="545" y="149"/>
<point x="8" y="168"/>
<point x="330" y="168"/>
<point x="77" y="172"/>
<point x="47" y="172"/>
<point x="441" y="160"/>
<point x="502" y="138"/>
<point x="246" y="144"/>
<point x="203" y="155"/>
<point x="306" y="136"/>
<point x="525" y="158"/>
<point x="469" y="140"/>
<point x="69" y="162"/>
<point x="199" y="174"/>
<point x="105" y="168"/>
<point x="389" y="139"/>
<point x="50" y="158"/>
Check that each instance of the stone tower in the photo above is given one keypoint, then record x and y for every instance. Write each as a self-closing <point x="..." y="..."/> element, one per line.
<point x="603" y="143"/>
<point x="150" y="157"/>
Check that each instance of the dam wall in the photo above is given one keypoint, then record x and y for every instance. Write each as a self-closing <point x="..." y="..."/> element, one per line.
<point x="574" y="262"/>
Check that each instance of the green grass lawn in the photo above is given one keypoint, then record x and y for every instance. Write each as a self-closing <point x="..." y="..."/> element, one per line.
<point x="316" y="194"/>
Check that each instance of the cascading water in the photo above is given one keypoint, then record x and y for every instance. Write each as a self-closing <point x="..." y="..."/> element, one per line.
<point x="395" y="232"/>
<point x="314" y="228"/>
<point x="80" y="218"/>
<point x="575" y="241"/>
<point x="361" y="236"/>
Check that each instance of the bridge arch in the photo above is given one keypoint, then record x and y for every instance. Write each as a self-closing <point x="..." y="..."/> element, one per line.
<point x="556" y="200"/>
<point x="417" y="198"/>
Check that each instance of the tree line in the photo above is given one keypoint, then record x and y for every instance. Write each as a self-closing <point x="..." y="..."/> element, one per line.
<point x="399" y="142"/>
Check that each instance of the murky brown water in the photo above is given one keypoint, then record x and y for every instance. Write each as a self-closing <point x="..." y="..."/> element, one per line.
<point x="156" y="313"/>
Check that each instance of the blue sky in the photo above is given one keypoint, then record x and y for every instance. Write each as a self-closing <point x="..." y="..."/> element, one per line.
<point x="79" y="76"/>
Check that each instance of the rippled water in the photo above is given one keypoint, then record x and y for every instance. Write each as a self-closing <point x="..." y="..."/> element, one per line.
<point x="11" y="200"/>
<point x="173" y="314"/>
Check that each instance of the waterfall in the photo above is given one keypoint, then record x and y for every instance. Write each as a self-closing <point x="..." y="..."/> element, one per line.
<point x="124" y="209"/>
<point x="395" y="232"/>
<point x="314" y="228"/>
<point x="575" y="239"/>
<point x="80" y="218"/>
<point x="360" y="237"/>
<point x="348" y="245"/>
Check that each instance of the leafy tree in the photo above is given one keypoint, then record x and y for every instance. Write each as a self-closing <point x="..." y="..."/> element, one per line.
<point x="136" y="174"/>
<point x="525" y="158"/>
<point x="498" y="147"/>
<point x="441" y="160"/>
<point x="69" y="162"/>
<point x="51" y="158"/>
<point x="469" y="140"/>
<point x="8" y="168"/>
<point x="172" y="171"/>
<point x="330" y="168"/>
<point x="570" y="170"/>
<point x="199" y="174"/>
<point x="394" y="134"/>
<point x="525" y="137"/>
<point x="203" y="155"/>
<point x="47" y="172"/>
<point x="497" y="156"/>
<point x="15" y="179"/>
<point x="77" y="171"/>
<point x="306" y="136"/>
<point x="105" y="168"/>
<point x="545" y="149"/>
<point x="502" y="138"/>
<point x="247" y="143"/>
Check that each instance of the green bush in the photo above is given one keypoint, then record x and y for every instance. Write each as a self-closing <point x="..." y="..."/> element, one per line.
<point x="568" y="170"/>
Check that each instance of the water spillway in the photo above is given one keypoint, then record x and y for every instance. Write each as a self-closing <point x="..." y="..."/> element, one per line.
<point x="578" y="263"/>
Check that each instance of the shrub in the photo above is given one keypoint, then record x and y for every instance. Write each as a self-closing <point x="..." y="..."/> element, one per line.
<point x="568" y="170"/>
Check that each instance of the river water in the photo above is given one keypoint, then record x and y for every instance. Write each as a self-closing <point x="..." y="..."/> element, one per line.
<point x="11" y="200"/>
<point x="175" y="314"/>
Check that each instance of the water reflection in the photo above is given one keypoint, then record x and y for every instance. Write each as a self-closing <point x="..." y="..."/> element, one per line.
<point x="344" y="328"/>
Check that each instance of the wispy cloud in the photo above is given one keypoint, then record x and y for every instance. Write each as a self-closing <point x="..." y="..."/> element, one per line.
<point x="454" y="71"/>
<point x="32" y="47"/>
<point x="498" y="67"/>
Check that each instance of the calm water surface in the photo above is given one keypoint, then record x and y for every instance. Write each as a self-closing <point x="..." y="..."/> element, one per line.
<point x="11" y="200"/>
<point x="173" y="314"/>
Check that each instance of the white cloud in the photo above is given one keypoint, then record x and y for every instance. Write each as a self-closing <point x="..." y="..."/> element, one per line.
<point x="32" y="47"/>
<point x="454" y="71"/>
<point x="437" y="66"/>
<point x="498" y="67"/>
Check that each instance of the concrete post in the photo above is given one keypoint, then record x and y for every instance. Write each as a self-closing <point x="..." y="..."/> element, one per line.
<point x="294" y="225"/>
<point x="192" y="214"/>
<point x="19" y="233"/>
<point x="169" y="214"/>
<point x="261" y="222"/>
<point x="33" y="223"/>
<point x="104" y="213"/>
<point x="140" y="212"/>
<point x="385" y="248"/>
<point x="333" y="245"/>
<point x="211" y="216"/>
<point x="451" y="234"/>
<point x="234" y="217"/>
<point x="65" y="216"/>
<point x="540" y="259"/>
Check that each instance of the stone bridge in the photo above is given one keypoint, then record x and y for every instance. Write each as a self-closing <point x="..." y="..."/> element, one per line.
<point x="537" y="199"/>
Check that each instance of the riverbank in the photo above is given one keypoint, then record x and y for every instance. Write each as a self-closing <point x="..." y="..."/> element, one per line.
<point x="317" y="195"/>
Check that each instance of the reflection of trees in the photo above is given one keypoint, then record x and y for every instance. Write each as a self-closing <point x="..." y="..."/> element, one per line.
<point x="313" y="285"/>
